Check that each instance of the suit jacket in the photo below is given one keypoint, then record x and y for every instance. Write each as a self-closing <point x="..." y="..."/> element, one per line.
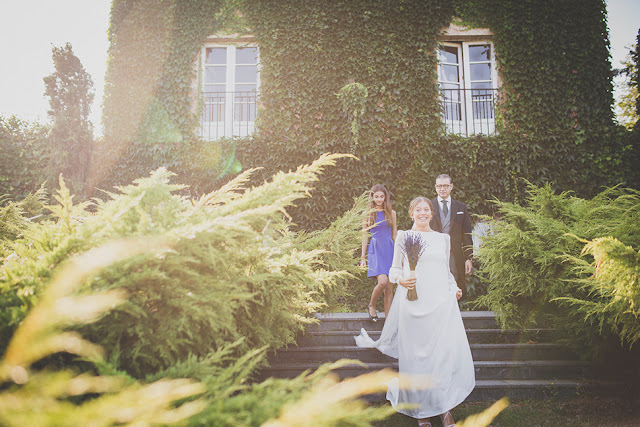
<point x="460" y="232"/>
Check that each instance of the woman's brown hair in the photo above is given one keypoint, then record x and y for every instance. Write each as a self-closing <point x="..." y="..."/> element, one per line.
<point x="386" y="206"/>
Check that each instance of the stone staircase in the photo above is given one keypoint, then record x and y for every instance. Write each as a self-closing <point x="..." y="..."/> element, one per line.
<point x="504" y="364"/>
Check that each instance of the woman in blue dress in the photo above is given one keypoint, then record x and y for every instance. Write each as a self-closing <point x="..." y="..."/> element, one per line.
<point x="377" y="251"/>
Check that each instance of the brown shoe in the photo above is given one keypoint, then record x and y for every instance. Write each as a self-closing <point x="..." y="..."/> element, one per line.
<point x="424" y="423"/>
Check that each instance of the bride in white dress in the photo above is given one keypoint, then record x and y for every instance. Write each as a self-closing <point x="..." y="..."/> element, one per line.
<point x="427" y="335"/>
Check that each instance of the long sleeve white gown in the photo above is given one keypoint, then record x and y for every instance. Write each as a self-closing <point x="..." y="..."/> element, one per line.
<point x="426" y="336"/>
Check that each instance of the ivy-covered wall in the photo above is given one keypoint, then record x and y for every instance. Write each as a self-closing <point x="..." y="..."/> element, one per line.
<point x="359" y="76"/>
<point x="556" y="84"/>
<point x="555" y="121"/>
<point x="308" y="52"/>
<point x="148" y="112"/>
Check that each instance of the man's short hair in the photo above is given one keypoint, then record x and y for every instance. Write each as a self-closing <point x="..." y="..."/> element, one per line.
<point x="444" y="176"/>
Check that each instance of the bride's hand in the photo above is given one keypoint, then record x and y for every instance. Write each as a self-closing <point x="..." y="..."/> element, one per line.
<point x="459" y="294"/>
<point x="408" y="283"/>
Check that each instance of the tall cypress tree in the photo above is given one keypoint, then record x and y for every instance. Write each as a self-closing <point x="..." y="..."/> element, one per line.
<point x="634" y="75"/>
<point x="70" y="89"/>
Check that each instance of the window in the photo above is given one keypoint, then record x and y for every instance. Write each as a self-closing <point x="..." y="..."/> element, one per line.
<point x="468" y="87"/>
<point x="230" y="90"/>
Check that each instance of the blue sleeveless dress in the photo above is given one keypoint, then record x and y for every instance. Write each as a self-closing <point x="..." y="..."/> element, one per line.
<point x="380" y="249"/>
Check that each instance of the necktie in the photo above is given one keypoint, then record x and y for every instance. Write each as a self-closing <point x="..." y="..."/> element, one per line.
<point x="445" y="209"/>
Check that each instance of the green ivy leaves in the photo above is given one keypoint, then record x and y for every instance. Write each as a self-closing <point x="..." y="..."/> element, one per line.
<point x="554" y="119"/>
<point x="353" y="97"/>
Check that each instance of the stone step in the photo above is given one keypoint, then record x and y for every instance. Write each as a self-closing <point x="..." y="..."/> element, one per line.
<point x="355" y="321"/>
<point x="484" y="370"/>
<point x="526" y="389"/>
<point x="475" y="336"/>
<point x="492" y="390"/>
<point x="539" y="351"/>
<point x="516" y="364"/>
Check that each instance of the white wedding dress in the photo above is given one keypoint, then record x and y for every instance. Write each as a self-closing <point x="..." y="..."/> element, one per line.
<point x="426" y="336"/>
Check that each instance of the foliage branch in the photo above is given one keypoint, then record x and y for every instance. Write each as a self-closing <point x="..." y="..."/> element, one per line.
<point x="611" y="284"/>
<point x="24" y="156"/>
<point x="220" y="279"/>
<point x="353" y="97"/>
<point x="236" y="271"/>
<point x="537" y="276"/>
<point x="51" y="397"/>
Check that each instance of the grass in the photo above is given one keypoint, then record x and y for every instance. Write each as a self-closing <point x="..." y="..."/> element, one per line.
<point x="620" y="409"/>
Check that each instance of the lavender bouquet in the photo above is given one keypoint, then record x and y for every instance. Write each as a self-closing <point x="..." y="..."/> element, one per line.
<point x="413" y="246"/>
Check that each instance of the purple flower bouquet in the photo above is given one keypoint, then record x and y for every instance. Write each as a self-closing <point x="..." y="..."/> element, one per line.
<point x="413" y="247"/>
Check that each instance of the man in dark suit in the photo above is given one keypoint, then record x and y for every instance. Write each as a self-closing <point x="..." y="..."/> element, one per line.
<point x="452" y="217"/>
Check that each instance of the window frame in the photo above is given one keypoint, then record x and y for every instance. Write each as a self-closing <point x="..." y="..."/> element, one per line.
<point x="468" y="124"/>
<point x="216" y="129"/>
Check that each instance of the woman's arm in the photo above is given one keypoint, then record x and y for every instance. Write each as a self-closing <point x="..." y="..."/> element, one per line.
<point x="394" y="226"/>
<point x="365" y="243"/>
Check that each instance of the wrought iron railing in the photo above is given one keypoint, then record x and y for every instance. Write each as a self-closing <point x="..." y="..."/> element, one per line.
<point x="469" y="112"/>
<point x="465" y="112"/>
<point x="228" y="114"/>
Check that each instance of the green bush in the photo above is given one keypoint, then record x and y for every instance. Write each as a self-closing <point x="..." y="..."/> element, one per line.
<point x="24" y="156"/>
<point x="236" y="270"/>
<point x="532" y="264"/>
<point x="611" y="284"/>
<point x="15" y="217"/>
<point x="222" y="396"/>
<point x="62" y="397"/>
<point x="210" y="285"/>
<point x="184" y="278"/>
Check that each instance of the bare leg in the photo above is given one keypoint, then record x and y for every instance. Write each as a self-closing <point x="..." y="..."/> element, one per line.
<point x="379" y="289"/>
<point x="388" y="296"/>
<point x="447" y="419"/>
<point x="424" y="422"/>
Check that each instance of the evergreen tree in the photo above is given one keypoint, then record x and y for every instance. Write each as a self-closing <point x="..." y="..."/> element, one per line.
<point x="541" y="274"/>
<point x="633" y="74"/>
<point x="70" y="90"/>
<point x="23" y="156"/>
<point x="629" y="103"/>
